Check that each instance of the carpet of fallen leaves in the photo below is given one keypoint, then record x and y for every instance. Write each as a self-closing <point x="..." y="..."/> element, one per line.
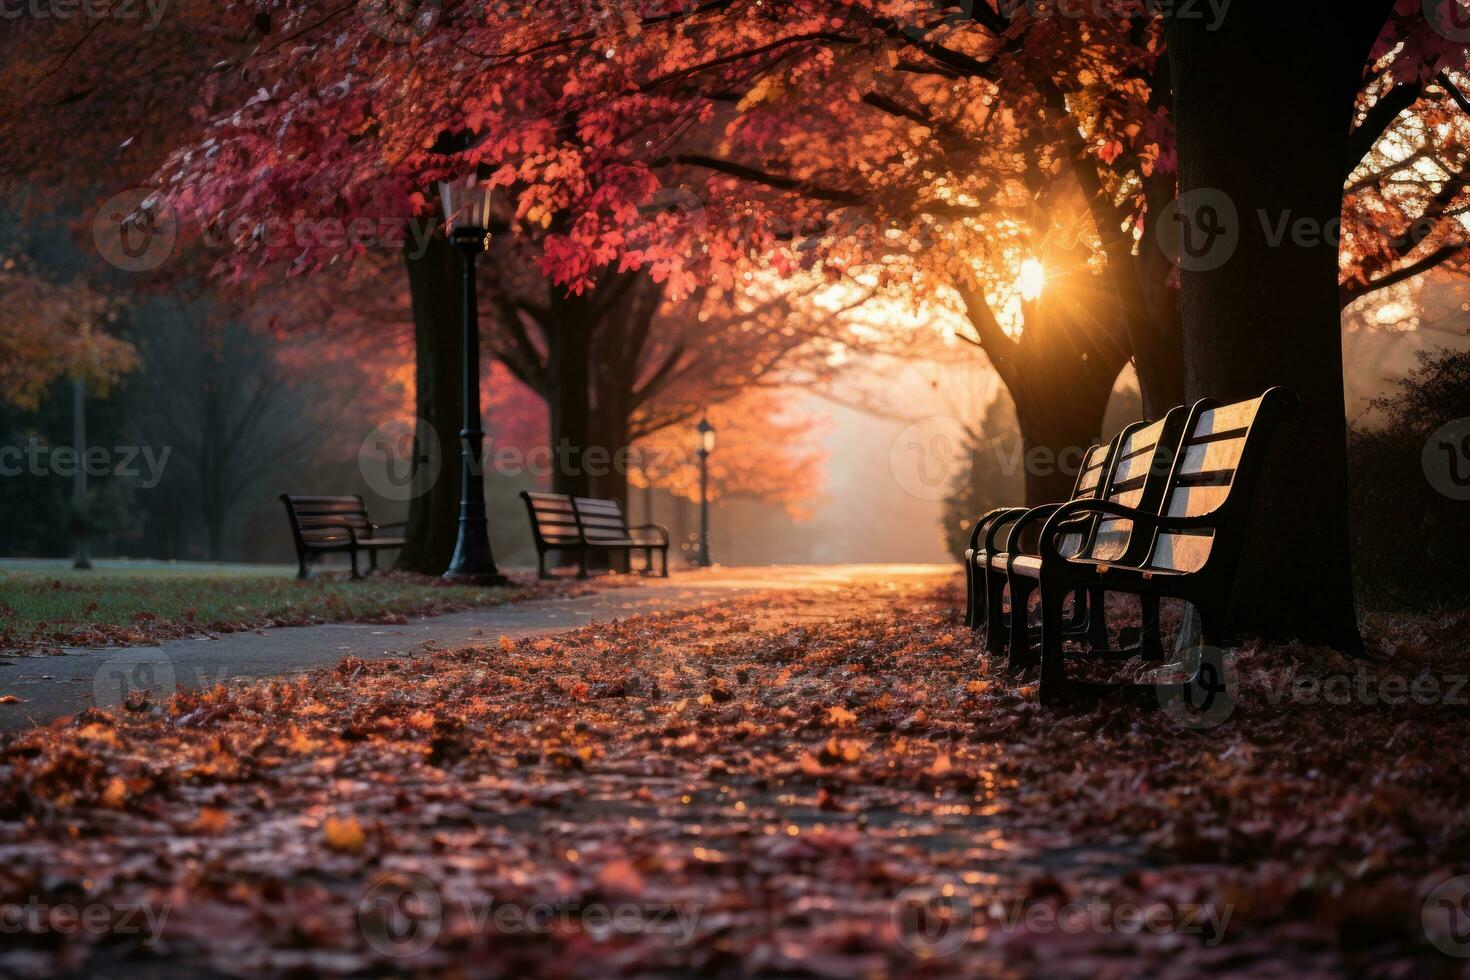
<point x="252" y="603"/>
<point x="755" y="787"/>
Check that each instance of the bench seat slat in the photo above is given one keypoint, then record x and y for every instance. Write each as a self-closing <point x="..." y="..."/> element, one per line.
<point x="321" y="524"/>
<point x="562" y="522"/>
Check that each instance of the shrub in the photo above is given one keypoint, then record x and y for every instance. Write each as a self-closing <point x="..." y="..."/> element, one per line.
<point x="1410" y="541"/>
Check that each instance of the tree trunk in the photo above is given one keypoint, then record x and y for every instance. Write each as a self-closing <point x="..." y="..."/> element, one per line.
<point x="433" y="515"/>
<point x="1056" y="431"/>
<point x="1158" y="357"/>
<point x="567" y="393"/>
<point x="1060" y="374"/>
<point x="611" y="434"/>
<point x="1263" y="109"/>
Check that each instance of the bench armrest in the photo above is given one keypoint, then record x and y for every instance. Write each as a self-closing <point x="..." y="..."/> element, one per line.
<point x="1077" y="523"/>
<point x="1058" y="523"/>
<point x="374" y="528"/>
<point x="661" y="532"/>
<point x="1003" y="519"/>
<point x="1019" y="520"/>
<point x="985" y="521"/>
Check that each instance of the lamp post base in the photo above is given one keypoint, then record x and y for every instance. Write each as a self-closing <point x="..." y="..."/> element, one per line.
<point x="475" y="578"/>
<point x="472" y="563"/>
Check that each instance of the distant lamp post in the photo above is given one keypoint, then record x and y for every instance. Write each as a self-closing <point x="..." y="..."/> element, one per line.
<point x="81" y="509"/>
<point x="467" y="210"/>
<point x="706" y="446"/>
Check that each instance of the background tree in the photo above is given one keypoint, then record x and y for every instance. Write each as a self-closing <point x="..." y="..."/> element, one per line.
<point x="54" y="331"/>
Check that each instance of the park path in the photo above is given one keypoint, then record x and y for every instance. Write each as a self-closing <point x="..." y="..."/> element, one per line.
<point x="50" y="687"/>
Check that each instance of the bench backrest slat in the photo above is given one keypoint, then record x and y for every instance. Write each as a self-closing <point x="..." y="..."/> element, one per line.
<point x="1219" y="455"/>
<point x="562" y="521"/>
<point x="323" y="520"/>
<point x="1139" y="470"/>
<point x="602" y="520"/>
<point x="1090" y="479"/>
<point x="553" y="519"/>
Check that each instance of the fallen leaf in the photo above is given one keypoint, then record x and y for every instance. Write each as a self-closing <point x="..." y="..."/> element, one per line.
<point x="344" y="834"/>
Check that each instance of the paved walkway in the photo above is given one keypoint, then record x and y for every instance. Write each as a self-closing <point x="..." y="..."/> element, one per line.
<point x="49" y="687"/>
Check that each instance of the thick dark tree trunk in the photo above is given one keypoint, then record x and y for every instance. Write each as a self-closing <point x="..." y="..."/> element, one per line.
<point x="567" y="392"/>
<point x="1056" y="431"/>
<point x="433" y="515"/>
<point x="1155" y="331"/>
<point x="1263" y="109"/>
<point x="1060" y="374"/>
<point x="1158" y="357"/>
<point x="610" y="429"/>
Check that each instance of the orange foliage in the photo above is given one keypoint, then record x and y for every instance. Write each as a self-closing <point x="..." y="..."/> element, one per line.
<point x="53" y="330"/>
<point x="762" y="452"/>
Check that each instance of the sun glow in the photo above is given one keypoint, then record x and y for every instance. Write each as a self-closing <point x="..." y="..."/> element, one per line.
<point x="1032" y="278"/>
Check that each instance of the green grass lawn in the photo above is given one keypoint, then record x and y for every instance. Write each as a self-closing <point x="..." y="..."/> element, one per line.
<point x="49" y="608"/>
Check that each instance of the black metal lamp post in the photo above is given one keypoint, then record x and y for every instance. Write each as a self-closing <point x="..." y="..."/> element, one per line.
<point x="706" y="446"/>
<point x="81" y="513"/>
<point x="467" y="209"/>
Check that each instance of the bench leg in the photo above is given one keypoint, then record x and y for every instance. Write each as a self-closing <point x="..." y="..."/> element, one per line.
<point x="1020" y="647"/>
<point x="1150" y="637"/>
<point x="1078" y="620"/>
<point x="541" y="565"/>
<point x="582" y="564"/>
<point x="1097" y="619"/>
<point x="995" y="614"/>
<point x="356" y="575"/>
<point x="1210" y="620"/>
<point x="971" y="617"/>
<point x="301" y="571"/>
<point x="1053" y="661"/>
<point x="665" y="562"/>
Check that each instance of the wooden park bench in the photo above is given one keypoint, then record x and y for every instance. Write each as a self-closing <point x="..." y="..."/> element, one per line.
<point x="1174" y="532"/>
<point x="1140" y="450"/>
<point x="324" y="525"/>
<point x="986" y="579"/>
<point x="585" y="525"/>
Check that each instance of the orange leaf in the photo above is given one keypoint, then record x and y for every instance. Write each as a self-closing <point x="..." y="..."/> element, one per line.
<point x="344" y="835"/>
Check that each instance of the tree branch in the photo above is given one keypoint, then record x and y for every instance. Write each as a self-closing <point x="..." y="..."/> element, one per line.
<point x="1376" y="122"/>
<point x="1350" y="291"/>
